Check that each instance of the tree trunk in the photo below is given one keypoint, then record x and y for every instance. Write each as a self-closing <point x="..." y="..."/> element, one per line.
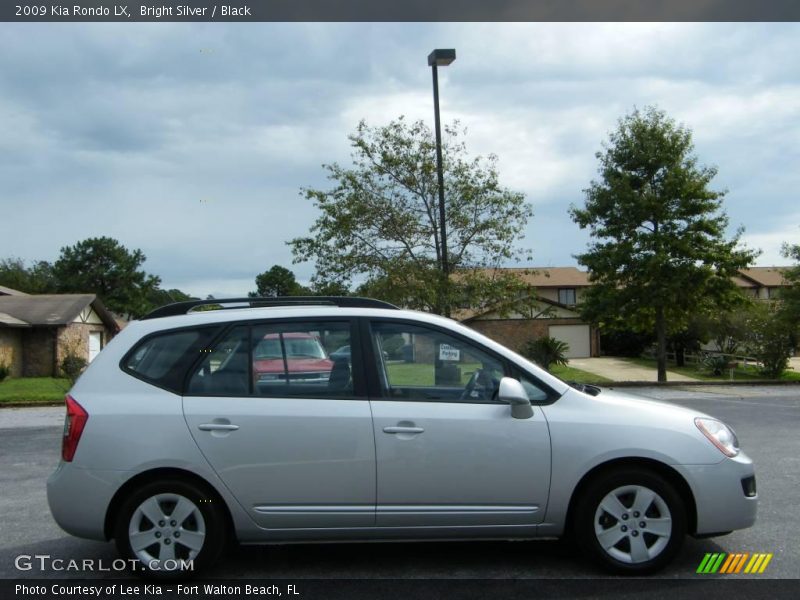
<point x="680" y="356"/>
<point x="661" y="344"/>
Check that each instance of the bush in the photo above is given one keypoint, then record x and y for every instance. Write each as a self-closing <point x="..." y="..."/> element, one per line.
<point x="715" y="364"/>
<point x="72" y="366"/>
<point x="6" y="360"/>
<point x="770" y="341"/>
<point x="546" y="352"/>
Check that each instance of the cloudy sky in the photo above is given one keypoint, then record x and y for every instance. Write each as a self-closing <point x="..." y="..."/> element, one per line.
<point x="191" y="141"/>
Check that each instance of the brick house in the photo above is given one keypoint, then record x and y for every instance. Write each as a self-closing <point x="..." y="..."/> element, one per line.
<point x="762" y="283"/>
<point x="560" y="290"/>
<point x="38" y="331"/>
<point x="554" y="313"/>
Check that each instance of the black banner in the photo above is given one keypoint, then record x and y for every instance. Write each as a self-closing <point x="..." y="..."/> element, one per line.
<point x="396" y="589"/>
<point x="401" y="10"/>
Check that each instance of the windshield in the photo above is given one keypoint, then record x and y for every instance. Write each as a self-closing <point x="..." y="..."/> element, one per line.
<point x="270" y="349"/>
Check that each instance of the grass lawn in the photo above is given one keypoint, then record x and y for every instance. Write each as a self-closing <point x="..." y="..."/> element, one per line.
<point x="741" y="373"/>
<point x="422" y="373"/>
<point x="33" y="389"/>
<point x="401" y="374"/>
<point x="579" y="376"/>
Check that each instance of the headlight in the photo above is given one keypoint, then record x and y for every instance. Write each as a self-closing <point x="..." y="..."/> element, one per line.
<point x="720" y="435"/>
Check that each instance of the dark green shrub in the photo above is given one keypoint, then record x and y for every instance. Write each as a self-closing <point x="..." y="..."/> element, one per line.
<point x="72" y="366"/>
<point x="715" y="364"/>
<point x="546" y="352"/>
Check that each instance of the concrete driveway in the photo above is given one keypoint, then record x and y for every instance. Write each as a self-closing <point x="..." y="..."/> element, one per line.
<point x="618" y="369"/>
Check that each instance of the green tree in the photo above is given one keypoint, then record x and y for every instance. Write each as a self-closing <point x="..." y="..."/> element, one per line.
<point x="277" y="281"/>
<point x="790" y="295"/>
<point x="379" y="222"/>
<point x="36" y="279"/>
<point x="659" y="251"/>
<point x="105" y="267"/>
<point x="159" y="297"/>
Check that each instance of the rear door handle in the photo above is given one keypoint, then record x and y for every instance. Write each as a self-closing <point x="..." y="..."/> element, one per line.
<point x="403" y="430"/>
<point x="217" y="427"/>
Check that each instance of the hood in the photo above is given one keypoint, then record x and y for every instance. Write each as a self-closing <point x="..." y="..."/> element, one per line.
<point x="645" y="406"/>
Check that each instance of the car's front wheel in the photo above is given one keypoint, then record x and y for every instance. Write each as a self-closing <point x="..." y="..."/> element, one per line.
<point x="170" y="529"/>
<point x="630" y="521"/>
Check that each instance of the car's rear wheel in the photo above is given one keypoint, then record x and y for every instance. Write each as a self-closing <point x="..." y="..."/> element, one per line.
<point x="170" y="529"/>
<point x="630" y="521"/>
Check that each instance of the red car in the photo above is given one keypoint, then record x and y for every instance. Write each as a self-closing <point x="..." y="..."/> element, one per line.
<point x="306" y="359"/>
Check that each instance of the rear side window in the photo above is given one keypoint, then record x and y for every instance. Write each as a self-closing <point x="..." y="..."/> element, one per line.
<point x="164" y="358"/>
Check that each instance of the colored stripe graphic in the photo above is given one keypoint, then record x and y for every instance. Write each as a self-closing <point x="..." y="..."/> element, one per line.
<point x="720" y="562"/>
<point x="711" y="563"/>
<point x="741" y="562"/>
<point x="729" y="562"/>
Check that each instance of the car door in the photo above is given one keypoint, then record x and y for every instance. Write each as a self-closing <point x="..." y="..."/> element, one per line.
<point x="448" y="452"/>
<point x="286" y="428"/>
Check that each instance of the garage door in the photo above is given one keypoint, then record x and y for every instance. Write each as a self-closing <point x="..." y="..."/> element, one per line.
<point x="577" y="336"/>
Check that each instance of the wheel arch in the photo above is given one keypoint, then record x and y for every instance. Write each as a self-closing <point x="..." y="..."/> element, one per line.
<point x="160" y="474"/>
<point x="666" y="471"/>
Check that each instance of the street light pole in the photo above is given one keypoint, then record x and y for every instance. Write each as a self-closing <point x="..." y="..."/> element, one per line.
<point x="435" y="59"/>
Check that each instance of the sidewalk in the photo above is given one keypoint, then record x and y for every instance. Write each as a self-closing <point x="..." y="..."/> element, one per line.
<point x="618" y="370"/>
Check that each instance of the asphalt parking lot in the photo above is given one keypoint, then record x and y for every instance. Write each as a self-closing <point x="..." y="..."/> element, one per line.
<point x="766" y="418"/>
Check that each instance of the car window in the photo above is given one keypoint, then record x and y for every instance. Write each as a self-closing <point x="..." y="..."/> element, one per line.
<point x="225" y="370"/>
<point x="535" y="392"/>
<point x="163" y="359"/>
<point x="418" y="363"/>
<point x="302" y="359"/>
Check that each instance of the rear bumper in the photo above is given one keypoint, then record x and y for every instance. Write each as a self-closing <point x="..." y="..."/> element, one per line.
<point x="719" y="494"/>
<point x="79" y="499"/>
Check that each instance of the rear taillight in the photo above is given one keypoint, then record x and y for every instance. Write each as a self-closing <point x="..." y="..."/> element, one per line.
<point x="73" y="428"/>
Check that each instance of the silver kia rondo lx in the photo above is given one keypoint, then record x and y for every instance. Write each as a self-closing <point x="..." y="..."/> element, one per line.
<point x="193" y="428"/>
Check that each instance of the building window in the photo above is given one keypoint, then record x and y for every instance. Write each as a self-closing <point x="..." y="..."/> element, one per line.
<point x="566" y="296"/>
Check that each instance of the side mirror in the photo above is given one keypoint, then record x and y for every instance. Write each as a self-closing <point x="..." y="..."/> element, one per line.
<point x="512" y="392"/>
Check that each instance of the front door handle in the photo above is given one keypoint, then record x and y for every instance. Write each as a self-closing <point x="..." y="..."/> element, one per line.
<point x="399" y="429"/>
<point x="217" y="427"/>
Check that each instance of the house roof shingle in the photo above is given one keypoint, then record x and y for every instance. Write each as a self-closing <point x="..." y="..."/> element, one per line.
<point x="765" y="276"/>
<point x="53" y="309"/>
<point x="7" y="320"/>
<point x="7" y="291"/>
<point x="549" y="276"/>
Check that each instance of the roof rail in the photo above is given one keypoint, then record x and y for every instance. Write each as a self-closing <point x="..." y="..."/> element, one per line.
<point x="182" y="308"/>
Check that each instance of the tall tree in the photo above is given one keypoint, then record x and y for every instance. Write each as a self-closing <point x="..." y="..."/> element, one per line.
<point x="105" y="267"/>
<point x="277" y="281"/>
<point x="159" y="297"/>
<point x="659" y="249"/>
<point x="36" y="279"/>
<point x="790" y="296"/>
<point x="379" y="223"/>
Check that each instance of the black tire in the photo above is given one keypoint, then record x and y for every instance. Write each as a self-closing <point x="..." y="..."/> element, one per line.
<point x="639" y="550"/>
<point x="205" y="529"/>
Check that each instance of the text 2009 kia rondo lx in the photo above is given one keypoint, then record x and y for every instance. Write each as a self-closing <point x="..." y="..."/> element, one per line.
<point x="174" y="443"/>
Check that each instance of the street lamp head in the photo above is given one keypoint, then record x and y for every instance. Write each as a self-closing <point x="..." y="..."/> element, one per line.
<point x="441" y="57"/>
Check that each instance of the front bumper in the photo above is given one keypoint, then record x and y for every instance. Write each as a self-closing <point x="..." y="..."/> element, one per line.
<point x="720" y="495"/>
